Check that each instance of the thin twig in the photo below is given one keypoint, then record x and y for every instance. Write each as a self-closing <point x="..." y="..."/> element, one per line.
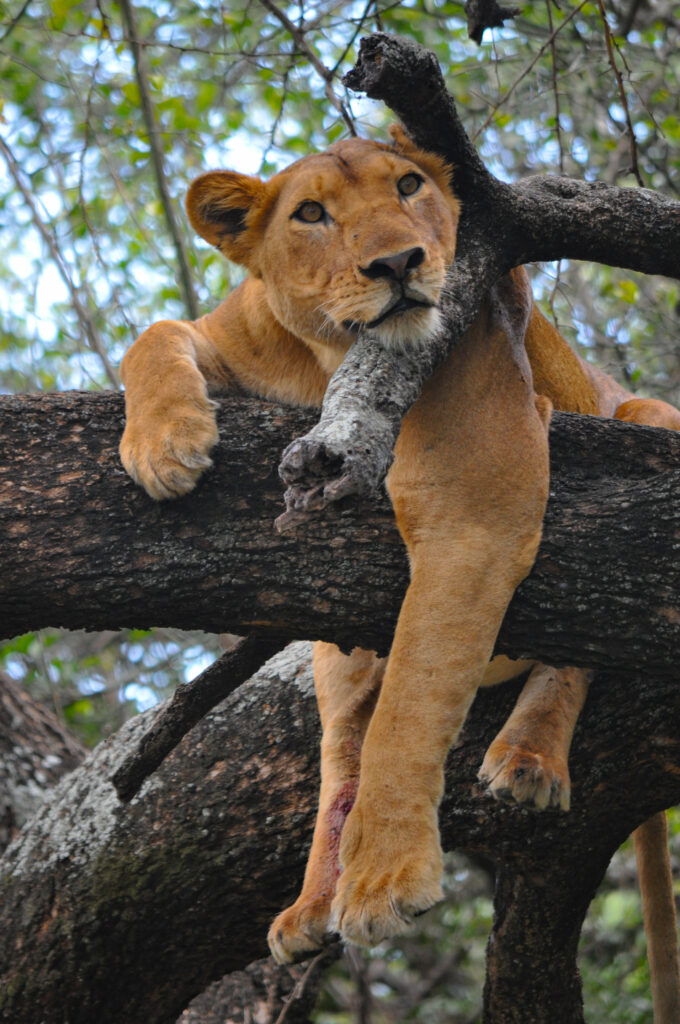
<point x="325" y="73"/>
<point x="528" y="68"/>
<point x="15" y="21"/>
<point x="556" y="94"/>
<point x="85" y="319"/>
<point x="300" y="986"/>
<point x="364" y="1001"/>
<point x="622" y="95"/>
<point x="157" y="159"/>
<point x="357" y="29"/>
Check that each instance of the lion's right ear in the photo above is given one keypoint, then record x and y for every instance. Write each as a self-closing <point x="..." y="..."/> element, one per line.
<point x="226" y="208"/>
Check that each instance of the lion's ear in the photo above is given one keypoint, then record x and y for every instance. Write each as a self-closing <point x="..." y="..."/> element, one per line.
<point x="226" y="208"/>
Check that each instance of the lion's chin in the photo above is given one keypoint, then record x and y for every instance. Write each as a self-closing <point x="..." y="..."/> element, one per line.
<point x="409" y="329"/>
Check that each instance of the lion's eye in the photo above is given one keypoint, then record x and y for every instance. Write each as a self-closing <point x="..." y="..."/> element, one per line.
<point x="310" y="212"/>
<point x="409" y="184"/>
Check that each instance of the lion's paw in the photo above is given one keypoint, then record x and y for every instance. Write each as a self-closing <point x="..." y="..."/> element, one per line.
<point x="301" y="930"/>
<point x="166" y="457"/>
<point x="392" y="876"/>
<point x="517" y="775"/>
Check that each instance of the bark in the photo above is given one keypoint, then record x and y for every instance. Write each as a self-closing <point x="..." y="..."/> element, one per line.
<point x="113" y="911"/>
<point x="35" y="752"/>
<point x="83" y="547"/>
<point x="188" y="705"/>
<point x="502" y="226"/>
<point x="263" y="992"/>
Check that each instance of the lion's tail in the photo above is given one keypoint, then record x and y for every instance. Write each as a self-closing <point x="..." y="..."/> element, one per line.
<point x="658" y="908"/>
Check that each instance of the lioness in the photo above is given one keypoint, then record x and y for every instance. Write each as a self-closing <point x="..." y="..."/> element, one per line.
<point x="362" y="235"/>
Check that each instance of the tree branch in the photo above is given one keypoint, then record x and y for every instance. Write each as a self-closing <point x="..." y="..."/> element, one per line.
<point x="502" y="226"/>
<point x="82" y="547"/>
<point x="128" y="13"/>
<point x="178" y="887"/>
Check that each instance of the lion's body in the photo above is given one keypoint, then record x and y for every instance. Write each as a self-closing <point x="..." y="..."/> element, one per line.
<point x="362" y="235"/>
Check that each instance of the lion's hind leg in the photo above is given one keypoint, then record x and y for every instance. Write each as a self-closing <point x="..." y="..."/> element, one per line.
<point x="651" y="838"/>
<point x="347" y="687"/>
<point x="527" y="763"/>
<point x="650" y="412"/>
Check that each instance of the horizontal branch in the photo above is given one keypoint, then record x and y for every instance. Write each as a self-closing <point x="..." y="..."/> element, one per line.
<point x="82" y="547"/>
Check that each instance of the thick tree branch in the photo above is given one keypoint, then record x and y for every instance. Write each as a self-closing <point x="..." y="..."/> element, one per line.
<point x="188" y="705"/>
<point x="35" y="752"/>
<point x="82" y="547"/>
<point x="502" y="226"/>
<point x="177" y="887"/>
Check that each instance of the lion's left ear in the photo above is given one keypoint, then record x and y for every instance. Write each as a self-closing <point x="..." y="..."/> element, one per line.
<point x="227" y="208"/>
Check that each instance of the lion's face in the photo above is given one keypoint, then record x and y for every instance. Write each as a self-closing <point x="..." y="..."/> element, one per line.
<point x="360" y="235"/>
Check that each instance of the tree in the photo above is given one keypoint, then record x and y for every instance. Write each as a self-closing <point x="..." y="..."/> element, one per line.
<point x="181" y="81"/>
<point x="113" y="870"/>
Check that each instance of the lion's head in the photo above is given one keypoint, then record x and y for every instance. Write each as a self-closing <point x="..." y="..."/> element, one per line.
<point x="359" y="235"/>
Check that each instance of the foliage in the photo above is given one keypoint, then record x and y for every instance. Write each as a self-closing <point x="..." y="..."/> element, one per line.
<point x="87" y="259"/>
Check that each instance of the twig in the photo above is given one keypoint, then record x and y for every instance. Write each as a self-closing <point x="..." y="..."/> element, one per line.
<point x="189" y="703"/>
<point x="157" y="159"/>
<point x="364" y="1000"/>
<point x="325" y="73"/>
<point x="83" y="314"/>
<point x="15" y="21"/>
<point x="622" y="94"/>
<point x="528" y="68"/>
<point x="301" y="984"/>
<point x="556" y="94"/>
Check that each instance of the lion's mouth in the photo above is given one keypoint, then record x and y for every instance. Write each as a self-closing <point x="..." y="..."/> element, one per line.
<point x="402" y="305"/>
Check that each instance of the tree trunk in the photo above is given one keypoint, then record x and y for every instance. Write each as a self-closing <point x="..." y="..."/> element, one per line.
<point x="35" y="751"/>
<point x="82" y="547"/>
<point x="115" y="912"/>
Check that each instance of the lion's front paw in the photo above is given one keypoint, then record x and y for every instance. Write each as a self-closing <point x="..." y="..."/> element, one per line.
<point x="517" y="775"/>
<point x="392" y="874"/>
<point x="167" y="454"/>
<point x="300" y="930"/>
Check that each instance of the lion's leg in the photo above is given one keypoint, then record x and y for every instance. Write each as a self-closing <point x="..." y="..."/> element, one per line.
<point x="170" y="420"/>
<point x="651" y="412"/>
<point x="528" y="761"/>
<point x="651" y="838"/>
<point x="390" y="851"/>
<point x="346" y="687"/>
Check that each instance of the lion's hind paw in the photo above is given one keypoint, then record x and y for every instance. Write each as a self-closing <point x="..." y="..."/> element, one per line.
<point x="300" y="931"/>
<point x="515" y="775"/>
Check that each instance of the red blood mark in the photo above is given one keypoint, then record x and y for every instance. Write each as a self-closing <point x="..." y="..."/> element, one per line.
<point x="335" y="819"/>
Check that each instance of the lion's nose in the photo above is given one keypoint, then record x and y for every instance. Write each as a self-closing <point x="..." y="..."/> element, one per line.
<point x="395" y="267"/>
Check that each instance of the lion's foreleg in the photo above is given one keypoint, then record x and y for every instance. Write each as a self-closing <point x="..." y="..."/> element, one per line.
<point x="170" y="420"/>
<point x="390" y="851"/>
